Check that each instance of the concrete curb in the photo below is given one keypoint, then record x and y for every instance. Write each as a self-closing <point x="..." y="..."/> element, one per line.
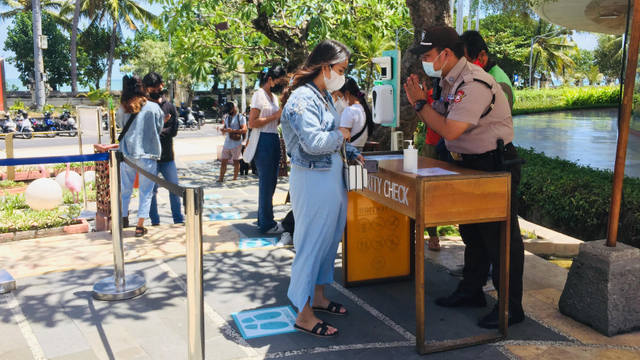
<point x="551" y="243"/>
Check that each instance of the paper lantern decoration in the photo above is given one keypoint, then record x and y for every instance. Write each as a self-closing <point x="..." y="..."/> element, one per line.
<point x="43" y="194"/>
<point x="89" y="176"/>
<point x="73" y="176"/>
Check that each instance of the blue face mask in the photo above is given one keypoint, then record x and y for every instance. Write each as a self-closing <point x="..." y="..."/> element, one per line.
<point x="429" y="69"/>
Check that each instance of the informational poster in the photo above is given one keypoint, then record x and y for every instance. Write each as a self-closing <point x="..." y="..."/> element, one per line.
<point x="378" y="241"/>
<point x="265" y="322"/>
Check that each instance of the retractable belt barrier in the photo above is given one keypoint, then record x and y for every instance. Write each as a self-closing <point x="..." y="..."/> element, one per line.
<point x="54" y="159"/>
<point x="173" y="188"/>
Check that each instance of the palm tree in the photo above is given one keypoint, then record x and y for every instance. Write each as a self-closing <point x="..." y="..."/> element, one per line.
<point x="367" y="49"/>
<point x="86" y="8"/>
<point x="57" y="10"/>
<point x="551" y="53"/>
<point x="116" y="12"/>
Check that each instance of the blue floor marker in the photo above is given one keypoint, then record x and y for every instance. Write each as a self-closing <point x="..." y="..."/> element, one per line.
<point x="265" y="322"/>
<point x="225" y="216"/>
<point x="250" y="243"/>
<point x="211" y="197"/>
<point x="216" y="206"/>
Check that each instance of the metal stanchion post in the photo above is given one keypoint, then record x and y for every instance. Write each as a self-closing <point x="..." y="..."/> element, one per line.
<point x="195" y="299"/>
<point x="119" y="286"/>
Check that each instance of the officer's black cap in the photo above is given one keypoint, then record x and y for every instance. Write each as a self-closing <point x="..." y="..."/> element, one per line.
<point x="436" y="36"/>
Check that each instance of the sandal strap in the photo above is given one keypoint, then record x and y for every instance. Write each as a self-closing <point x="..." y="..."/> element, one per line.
<point x="323" y="327"/>
<point x="334" y="307"/>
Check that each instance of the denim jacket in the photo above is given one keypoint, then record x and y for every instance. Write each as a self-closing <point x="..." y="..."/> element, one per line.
<point x="310" y="129"/>
<point x="142" y="140"/>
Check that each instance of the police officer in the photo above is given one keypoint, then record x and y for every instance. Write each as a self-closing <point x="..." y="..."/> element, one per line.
<point x="471" y="115"/>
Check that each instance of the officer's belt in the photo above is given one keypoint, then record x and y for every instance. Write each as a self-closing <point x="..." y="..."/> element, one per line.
<point x="471" y="157"/>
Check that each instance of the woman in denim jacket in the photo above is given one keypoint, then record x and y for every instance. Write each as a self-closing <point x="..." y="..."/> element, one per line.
<point x="140" y="144"/>
<point x="310" y="126"/>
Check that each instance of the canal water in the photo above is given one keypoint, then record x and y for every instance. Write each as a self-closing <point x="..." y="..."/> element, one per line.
<point x="587" y="137"/>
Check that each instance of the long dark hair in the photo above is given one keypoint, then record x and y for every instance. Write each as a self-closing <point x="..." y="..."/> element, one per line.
<point x="326" y="53"/>
<point x="133" y="96"/>
<point x="352" y="87"/>
<point x="275" y="72"/>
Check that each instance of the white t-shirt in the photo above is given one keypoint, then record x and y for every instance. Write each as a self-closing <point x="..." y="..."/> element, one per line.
<point x="354" y="118"/>
<point x="260" y="100"/>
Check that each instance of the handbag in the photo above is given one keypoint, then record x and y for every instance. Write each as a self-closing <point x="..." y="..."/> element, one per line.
<point x="252" y="145"/>
<point x="355" y="176"/>
<point x="234" y="136"/>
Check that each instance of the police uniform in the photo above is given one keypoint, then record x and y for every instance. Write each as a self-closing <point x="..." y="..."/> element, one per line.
<point x="472" y="96"/>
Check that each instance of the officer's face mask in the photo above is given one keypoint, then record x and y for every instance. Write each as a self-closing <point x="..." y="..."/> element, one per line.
<point x="430" y="70"/>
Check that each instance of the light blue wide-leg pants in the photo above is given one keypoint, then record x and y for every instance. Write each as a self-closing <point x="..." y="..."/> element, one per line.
<point x="319" y="202"/>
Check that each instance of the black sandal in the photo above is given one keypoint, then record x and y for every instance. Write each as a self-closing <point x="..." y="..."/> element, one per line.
<point x="143" y="231"/>
<point x="333" y="308"/>
<point x="323" y="327"/>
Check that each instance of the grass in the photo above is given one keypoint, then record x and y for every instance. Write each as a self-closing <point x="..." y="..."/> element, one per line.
<point x="10" y="184"/>
<point x="15" y="215"/>
<point x="570" y="98"/>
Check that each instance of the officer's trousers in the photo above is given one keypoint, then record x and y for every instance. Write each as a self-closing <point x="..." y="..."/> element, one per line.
<point x="483" y="240"/>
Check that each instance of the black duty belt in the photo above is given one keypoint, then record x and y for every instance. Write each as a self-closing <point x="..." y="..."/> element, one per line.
<point x="472" y="157"/>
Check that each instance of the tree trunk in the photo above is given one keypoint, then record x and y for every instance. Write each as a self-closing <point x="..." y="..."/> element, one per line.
<point x="73" y="47"/>
<point x="533" y="70"/>
<point x="233" y="88"/>
<point x="112" y="51"/>
<point x="424" y="14"/>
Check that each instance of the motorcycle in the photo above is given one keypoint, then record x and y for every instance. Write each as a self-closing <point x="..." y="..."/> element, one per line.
<point x="23" y="124"/>
<point x="198" y="114"/>
<point x="190" y="122"/>
<point x="46" y="125"/>
<point x="67" y="123"/>
<point x="9" y="126"/>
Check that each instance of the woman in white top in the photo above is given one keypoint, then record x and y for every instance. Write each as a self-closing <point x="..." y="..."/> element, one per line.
<point x="355" y="114"/>
<point x="265" y="115"/>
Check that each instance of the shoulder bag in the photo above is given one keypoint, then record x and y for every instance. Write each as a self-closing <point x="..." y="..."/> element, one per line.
<point x="127" y="126"/>
<point x="355" y="176"/>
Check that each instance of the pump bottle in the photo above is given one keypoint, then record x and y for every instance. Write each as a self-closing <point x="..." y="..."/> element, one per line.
<point x="410" y="163"/>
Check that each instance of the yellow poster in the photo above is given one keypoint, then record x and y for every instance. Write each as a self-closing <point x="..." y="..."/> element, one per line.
<point x="377" y="243"/>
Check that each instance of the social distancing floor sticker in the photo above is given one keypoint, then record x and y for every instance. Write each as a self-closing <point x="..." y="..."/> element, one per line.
<point x="265" y="322"/>
<point x="249" y="243"/>
<point x="225" y="216"/>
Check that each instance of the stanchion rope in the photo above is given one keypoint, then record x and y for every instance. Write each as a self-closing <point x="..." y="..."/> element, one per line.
<point x="173" y="188"/>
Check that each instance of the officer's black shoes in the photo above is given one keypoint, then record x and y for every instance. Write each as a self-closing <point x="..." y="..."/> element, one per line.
<point x="491" y="320"/>
<point x="458" y="299"/>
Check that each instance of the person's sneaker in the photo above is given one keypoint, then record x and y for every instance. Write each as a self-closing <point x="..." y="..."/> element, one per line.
<point x="491" y="321"/>
<point x="275" y="230"/>
<point x="285" y="240"/>
<point x="458" y="299"/>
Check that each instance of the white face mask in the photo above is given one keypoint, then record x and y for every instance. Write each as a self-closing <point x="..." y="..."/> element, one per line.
<point x="341" y="104"/>
<point x="429" y="69"/>
<point x="335" y="83"/>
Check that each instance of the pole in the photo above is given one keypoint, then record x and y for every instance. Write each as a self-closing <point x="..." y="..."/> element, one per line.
<point x="84" y="185"/>
<point x="478" y="17"/>
<point x="531" y="62"/>
<point x="469" y="17"/>
<point x="623" y="131"/>
<point x="195" y="299"/>
<point x="460" y="17"/>
<point x="451" y="8"/>
<point x="11" y="170"/>
<point x="119" y="286"/>
<point x="37" y="54"/>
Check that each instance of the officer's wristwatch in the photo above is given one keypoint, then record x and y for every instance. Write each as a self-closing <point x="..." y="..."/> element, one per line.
<point x="419" y="104"/>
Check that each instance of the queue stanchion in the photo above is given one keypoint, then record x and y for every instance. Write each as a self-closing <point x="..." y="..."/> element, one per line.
<point x="195" y="298"/>
<point x="119" y="286"/>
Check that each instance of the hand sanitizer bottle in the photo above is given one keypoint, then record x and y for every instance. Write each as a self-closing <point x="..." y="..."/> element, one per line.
<point x="410" y="158"/>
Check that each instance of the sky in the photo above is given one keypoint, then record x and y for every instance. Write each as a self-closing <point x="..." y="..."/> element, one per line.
<point x="584" y="40"/>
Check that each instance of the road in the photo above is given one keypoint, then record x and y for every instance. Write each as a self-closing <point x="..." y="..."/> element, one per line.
<point x="207" y="131"/>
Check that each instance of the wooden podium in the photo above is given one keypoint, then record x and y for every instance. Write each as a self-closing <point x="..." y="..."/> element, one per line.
<point x="384" y="236"/>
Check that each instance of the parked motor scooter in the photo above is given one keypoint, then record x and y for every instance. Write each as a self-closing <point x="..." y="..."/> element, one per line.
<point x="8" y="125"/>
<point x="23" y="124"/>
<point x="46" y="125"/>
<point x="67" y="123"/>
